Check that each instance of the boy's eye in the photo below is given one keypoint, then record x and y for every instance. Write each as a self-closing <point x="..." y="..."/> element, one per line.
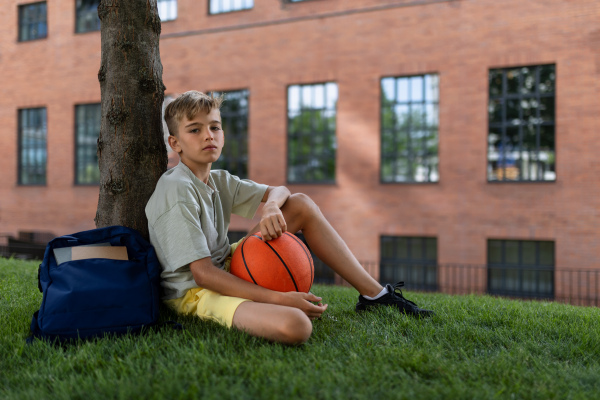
<point x="195" y="130"/>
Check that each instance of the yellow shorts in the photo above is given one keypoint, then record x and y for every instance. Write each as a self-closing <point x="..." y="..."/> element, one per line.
<point x="206" y="304"/>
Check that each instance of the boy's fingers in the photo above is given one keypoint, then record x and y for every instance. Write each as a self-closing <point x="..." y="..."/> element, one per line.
<point x="312" y="297"/>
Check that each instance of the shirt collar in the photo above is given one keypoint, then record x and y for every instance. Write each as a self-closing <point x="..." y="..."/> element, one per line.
<point x="210" y="188"/>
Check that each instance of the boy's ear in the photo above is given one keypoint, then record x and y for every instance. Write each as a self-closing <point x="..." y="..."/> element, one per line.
<point x="174" y="143"/>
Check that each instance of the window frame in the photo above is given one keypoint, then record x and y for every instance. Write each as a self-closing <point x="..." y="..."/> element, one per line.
<point x="412" y="151"/>
<point x="176" y="9"/>
<point x="520" y="267"/>
<point x="20" y="147"/>
<point x="20" y="9"/>
<point x="424" y="264"/>
<point x="76" y="163"/>
<point x="244" y="159"/>
<point x="210" y="2"/>
<point x="505" y="124"/>
<point x="333" y="134"/>
<point x="77" y="16"/>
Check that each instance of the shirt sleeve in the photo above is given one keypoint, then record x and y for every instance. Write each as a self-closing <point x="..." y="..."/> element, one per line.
<point x="180" y="236"/>
<point x="247" y="196"/>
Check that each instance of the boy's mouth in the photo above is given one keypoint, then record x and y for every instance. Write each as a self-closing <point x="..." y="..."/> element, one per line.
<point x="210" y="148"/>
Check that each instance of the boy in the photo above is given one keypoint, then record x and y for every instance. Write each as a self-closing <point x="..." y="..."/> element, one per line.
<point x="188" y="217"/>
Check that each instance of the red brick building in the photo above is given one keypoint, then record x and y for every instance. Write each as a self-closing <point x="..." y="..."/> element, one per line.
<point x="430" y="132"/>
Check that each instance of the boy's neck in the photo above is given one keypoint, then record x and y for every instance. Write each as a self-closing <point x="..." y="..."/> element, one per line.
<point x="201" y="171"/>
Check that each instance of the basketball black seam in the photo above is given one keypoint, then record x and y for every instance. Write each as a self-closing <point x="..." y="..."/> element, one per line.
<point x="284" y="264"/>
<point x="308" y="257"/>
<point x="245" y="264"/>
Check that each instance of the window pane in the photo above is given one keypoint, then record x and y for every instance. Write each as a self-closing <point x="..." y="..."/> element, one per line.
<point x="529" y="253"/>
<point x="33" y="21"/>
<point x="87" y="131"/>
<point x="409" y="132"/>
<point x="234" y="117"/>
<point x="516" y="270"/>
<point x="546" y="253"/>
<point x="222" y="6"/>
<point x="494" y="251"/>
<point x="515" y="116"/>
<point x="431" y="249"/>
<point x="311" y="133"/>
<point x="87" y="16"/>
<point x="495" y="280"/>
<point x="167" y="10"/>
<point x="403" y="259"/>
<point x="32" y="137"/>
<point x="511" y="252"/>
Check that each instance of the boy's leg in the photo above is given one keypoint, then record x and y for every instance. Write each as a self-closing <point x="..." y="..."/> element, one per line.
<point x="273" y="322"/>
<point x="301" y="213"/>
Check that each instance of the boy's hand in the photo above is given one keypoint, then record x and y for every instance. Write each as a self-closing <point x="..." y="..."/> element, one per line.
<point x="304" y="301"/>
<point x="272" y="224"/>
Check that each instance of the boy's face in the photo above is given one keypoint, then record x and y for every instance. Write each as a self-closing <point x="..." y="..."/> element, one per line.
<point x="199" y="141"/>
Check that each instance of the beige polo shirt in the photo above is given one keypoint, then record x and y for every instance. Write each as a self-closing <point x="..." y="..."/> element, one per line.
<point x="188" y="220"/>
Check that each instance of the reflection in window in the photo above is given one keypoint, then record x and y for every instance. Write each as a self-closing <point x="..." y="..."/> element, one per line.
<point x="32" y="146"/>
<point x="223" y="6"/>
<point x="32" y="21"/>
<point x="311" y="133"/>
<point x="409" y="259"/>
<point x="167" y="10"/>
<point x="409" y="129"/>
<point x="521" y="118"/>
<point x="87" y="130"/>
<point x="521" y="268"/>
<point x="234" y="116"/>
<point x="87" y="16"/>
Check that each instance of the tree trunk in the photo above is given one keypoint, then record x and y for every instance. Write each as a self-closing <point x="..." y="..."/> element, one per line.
<point x="131" y="150"/>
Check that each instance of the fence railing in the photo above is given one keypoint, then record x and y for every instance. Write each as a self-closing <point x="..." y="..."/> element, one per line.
<point x="573" y="286"/>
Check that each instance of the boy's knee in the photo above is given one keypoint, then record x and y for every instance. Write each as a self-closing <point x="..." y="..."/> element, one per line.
<point x="296" y="328"/>
<point x="301" y="202"/>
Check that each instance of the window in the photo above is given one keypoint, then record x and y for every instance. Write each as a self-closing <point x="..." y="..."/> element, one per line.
<point x="521" y="268"/>
<point x="234" y="115"/>
<point x="311" y="133"/>
<point x="323" y="274"/>
<point x="32" y="146"/>
<point x="167" y="10"/>
<point x="409" y="259"/>
<point x="409" y="129"/>
<point x="235" y="236"/>
<point x="223" y="6"/>
<point x="87" y="131"/>
<point x="86" y="12"/>
<point x="521" y="118"/>
<point x="33" y="22"/>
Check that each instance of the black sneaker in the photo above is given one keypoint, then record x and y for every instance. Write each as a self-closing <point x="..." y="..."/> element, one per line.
<point x="393" y="298"/>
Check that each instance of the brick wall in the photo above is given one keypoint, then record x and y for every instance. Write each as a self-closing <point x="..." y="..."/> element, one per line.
<point x="353" y="43"/>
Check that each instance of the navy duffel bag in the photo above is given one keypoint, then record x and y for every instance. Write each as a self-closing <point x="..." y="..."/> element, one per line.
<point x="87" y="295"/>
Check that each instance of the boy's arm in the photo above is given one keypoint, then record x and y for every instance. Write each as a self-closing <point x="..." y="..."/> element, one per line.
<point x="272" y="224"/>
<point x="207" y="276"/>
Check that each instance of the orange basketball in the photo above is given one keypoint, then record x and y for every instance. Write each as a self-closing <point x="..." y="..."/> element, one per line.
<point x="283" y="264"/>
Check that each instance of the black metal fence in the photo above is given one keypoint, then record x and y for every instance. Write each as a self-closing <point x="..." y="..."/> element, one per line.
<point x="573" y="286"/>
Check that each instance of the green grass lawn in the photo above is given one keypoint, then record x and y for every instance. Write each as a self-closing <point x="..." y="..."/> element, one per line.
<point x="477" y="347"/>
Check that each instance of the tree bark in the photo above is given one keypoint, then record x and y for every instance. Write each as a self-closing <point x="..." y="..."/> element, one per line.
<point x="131" y="151"/>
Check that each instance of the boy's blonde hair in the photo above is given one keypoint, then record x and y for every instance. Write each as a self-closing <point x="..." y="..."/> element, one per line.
<point x="189" y="105"/>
